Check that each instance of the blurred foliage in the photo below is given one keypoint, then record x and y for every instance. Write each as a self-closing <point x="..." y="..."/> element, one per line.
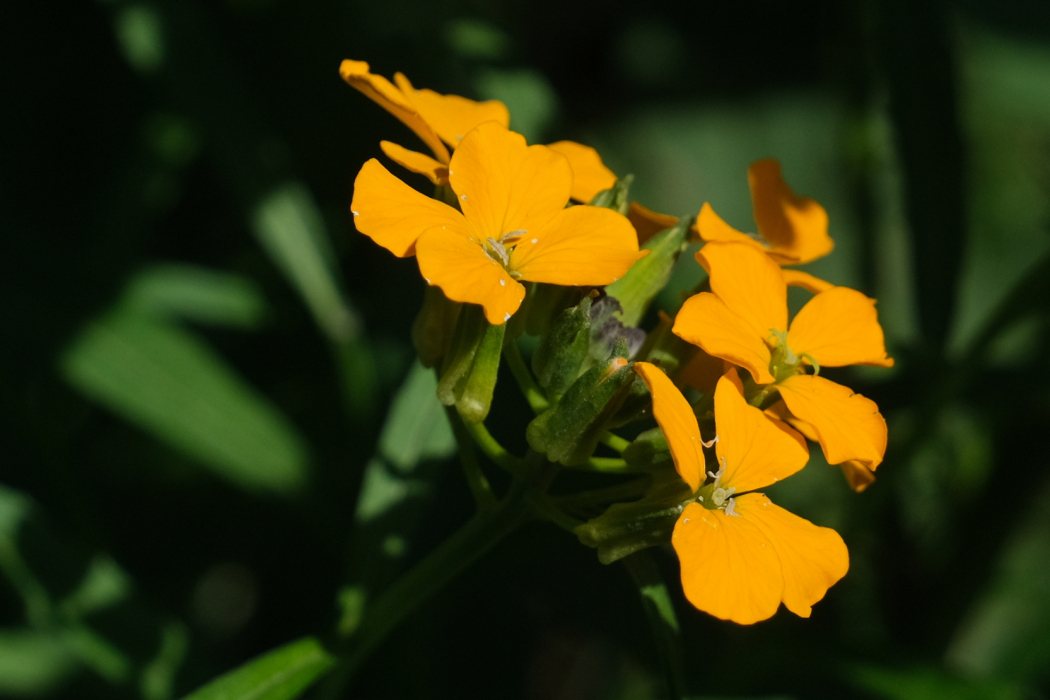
<point x="200" y="351"/>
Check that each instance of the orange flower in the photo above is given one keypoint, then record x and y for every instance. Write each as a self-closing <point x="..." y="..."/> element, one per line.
<point x="791" y="229"/>
<point x="513" y="226"/>
<point x="441" y="120"/>
<point x="741" y="555"/>
<point x="744" y="320"/>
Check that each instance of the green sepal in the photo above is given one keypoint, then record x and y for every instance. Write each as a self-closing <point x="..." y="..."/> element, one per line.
<point x="568" y="432"/>
<point x="560" y="355"/>
<point x="469" y="376"/>
<point x="636" y="289"/>
<point x="435" y="326"/>
<point x="615" y="197"/>
<point x="625" y="528"/>
<point x="648" y="449"/>
<point x="546" y="302"/>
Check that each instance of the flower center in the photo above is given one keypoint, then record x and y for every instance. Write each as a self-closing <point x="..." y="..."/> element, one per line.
<point x="783" y="361"/>
<point x="499" y="250"/>
<point x="713" y="496"/>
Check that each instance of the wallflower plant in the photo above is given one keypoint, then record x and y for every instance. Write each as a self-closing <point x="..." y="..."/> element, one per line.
<point x="536" y="240"/>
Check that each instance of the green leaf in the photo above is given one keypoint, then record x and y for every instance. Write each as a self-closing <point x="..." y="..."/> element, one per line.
<point x="930" y="684"/>
<point x="290" y="228"/>
<point x="281" y="674"/>
<point x="636" y="290"/>
<point x="171" y="384"/>
<point x="196" y="294"/>
<point x="31" y="662"/>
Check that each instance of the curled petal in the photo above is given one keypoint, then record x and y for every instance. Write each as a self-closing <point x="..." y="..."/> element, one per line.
<point x="451" y="116"/>
<point x="857" y="475"/>
<point x="839" y="327"/>
<point x="812" y="558"/>
<point x="707" y="322"/>
<point x="749" y="283"/>
<point x="798" y="278"/>
<point x="589" y="174"/>
<point x="647" y="222"/>
<point x="504" y="185"/>
<point x="796" y="227"/>
<point x="581" y="245"/>
<point x="703" y="371"/>
<point x="848" y="426"/>
<point x="712" y="228"/>
<point x="756" y="450"/>
<point x="730" y="569"/>
<point x="433" y="170"/>
<point x="393" y="214"/>
<point x="386" y="95"/>
<point x="450" y="259"/>
<point x="675" y="416"/>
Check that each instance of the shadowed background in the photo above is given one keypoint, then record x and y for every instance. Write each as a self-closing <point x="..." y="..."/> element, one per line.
<point x="203" y="456"/>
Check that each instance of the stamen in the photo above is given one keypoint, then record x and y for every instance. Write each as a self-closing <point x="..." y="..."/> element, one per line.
<point x="500" y="250"/>
<point x="709" y="442"/>
<point x="731" y="508"/>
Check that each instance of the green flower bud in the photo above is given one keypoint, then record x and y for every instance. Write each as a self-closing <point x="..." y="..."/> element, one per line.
<point x="615" y="197"/>
<point x="647" y="449"/>
<point x="559" y="357"/>
<point x="434" y="326"/>
<point x="636" y="289"/>
<point x="469" y="375"/>
<point x="568" y="432"/>
<point x="546" y="302"/>
<point x="625" y="528"/>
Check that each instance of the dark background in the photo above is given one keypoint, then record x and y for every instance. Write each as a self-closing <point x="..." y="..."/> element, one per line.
<point x="141" y="136"/>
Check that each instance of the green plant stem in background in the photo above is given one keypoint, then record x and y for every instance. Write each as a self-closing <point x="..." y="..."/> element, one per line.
<point x="656" y="601"/>
<point x="492" y="449"/>
<point x="532" y="391"/>
<point x="441" y="566"/>
<point x="479" y="485"/>
<point x="614" y="441"/>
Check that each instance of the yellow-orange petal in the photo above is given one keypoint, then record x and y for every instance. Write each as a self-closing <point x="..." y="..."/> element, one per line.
<point x="712" y="228"/>
<point x="393" y="214"/>
<point x="796" y="227"/>
<point x="857" y="475"/>
<point x="730" y="569"/>
<point x="504" y="185"/>
<point x="839" y="327"/>
<point x="812" y="558"/>
<point x="848" y="426"/>
<point x="449" y="258"/>
<point x="433" y="170"/>
<point x="749" y="283"/>
<point x="798" y="278"/>
<point x="705" y="321"/>
<point x="386" y="95"/>
<point x="589" y="174"/>
<point x="451" y="116"/>
<point x="647" y="222"/>
<point x="675" y="416"/>
<point x="581" y="245"/>
<point x="779" y="411"/>
<point x="755" y="449"/>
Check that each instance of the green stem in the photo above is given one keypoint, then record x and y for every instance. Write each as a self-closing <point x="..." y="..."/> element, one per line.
<point x="533" y="393"/>
<point x="479" y="485"/>
<point x="492" y="449"/>
<point x="656" y="601"/>
<point x="431" y="574"/>
<point x="546" y="509"/>
<point x="614" y="441"/>
<point x="627" y="491"/>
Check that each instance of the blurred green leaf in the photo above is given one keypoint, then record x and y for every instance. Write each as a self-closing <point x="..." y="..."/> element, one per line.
<point x="104" y="584"/>
<point x="169" y="383"/>
<point x="96" y="653"/>
<point x="159" y="674"/>
<point x="416" y="427"/>
<point x="196" y="294"/>
<point x="1007" y="633"/>
<point x="13" y="509"/>
<point x="290" y="228"/>
<point x="528" y="95"/>
<point x="929" y="684"/>
<point x="32" y="662"/>
<point x="477" y="39"/>
<point x="281" y="674"/>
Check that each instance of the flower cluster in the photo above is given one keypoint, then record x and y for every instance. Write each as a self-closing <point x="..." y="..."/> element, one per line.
<point x="545" y="228"/>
